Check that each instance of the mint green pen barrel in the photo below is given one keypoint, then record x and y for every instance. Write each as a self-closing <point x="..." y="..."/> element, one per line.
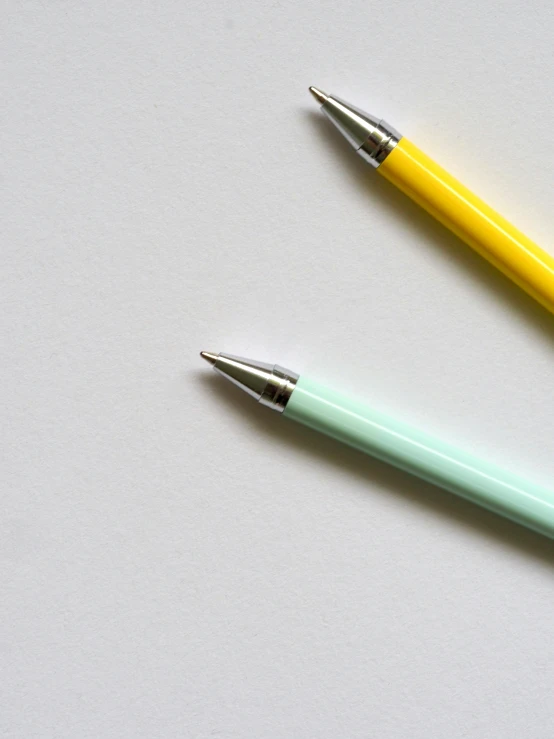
<point x="411" y="450"/>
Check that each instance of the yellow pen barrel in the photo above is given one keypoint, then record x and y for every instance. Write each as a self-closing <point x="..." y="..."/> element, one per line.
<point x="471" y="219"/>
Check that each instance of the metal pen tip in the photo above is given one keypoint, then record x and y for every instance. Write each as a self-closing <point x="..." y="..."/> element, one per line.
<point x="209" y="357"/>
<point x="321" y="97"/>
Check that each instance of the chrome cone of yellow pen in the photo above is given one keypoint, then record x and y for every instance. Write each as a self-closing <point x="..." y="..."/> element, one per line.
<point x="441" y="195"/>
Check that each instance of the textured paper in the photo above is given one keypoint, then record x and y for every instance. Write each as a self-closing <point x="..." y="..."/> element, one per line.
<point x="174" y="561"/>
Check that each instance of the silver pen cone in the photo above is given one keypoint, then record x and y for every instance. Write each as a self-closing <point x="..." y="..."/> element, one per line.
<point x="269" y="384"/>
<point x="372" y="138"/>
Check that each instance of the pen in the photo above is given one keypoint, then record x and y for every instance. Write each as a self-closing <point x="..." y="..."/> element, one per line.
<point x="456" y="207"/>
<point x="351" y="422"/>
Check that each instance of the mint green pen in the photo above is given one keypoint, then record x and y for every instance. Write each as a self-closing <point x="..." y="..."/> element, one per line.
<point x="375" y="433"/>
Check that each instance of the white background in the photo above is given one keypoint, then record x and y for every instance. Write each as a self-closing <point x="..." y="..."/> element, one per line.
<point x="176" y="562"/>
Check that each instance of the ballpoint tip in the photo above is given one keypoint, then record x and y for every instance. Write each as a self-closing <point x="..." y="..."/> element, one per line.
<point x="209" y="357"/>
<point x="321" y="97"/>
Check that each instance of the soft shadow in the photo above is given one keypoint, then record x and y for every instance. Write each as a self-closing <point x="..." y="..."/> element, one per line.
<point x="282" y="432"/>
<point x="444" y="244"/>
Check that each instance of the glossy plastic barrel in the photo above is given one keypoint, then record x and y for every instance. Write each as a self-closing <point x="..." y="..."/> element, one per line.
<point x="392" y="441"/>
<point x="472" y="220"/>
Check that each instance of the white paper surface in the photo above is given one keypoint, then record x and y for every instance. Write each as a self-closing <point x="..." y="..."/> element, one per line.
<point x="176" y="562"/>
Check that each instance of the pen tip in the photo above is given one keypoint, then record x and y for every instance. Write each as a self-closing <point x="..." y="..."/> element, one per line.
<point x="321" y="97"/>
<point x="209" y="357"/>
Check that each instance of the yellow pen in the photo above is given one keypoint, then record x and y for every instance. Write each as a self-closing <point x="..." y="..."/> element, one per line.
<point x="456" y="207"/>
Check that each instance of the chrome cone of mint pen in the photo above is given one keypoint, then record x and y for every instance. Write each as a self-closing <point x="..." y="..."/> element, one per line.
<point x="377" y="434"/>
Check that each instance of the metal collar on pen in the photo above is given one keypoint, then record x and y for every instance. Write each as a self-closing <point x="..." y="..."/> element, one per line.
<point x="372" y="138"/>
<point x="270" y="385"/>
